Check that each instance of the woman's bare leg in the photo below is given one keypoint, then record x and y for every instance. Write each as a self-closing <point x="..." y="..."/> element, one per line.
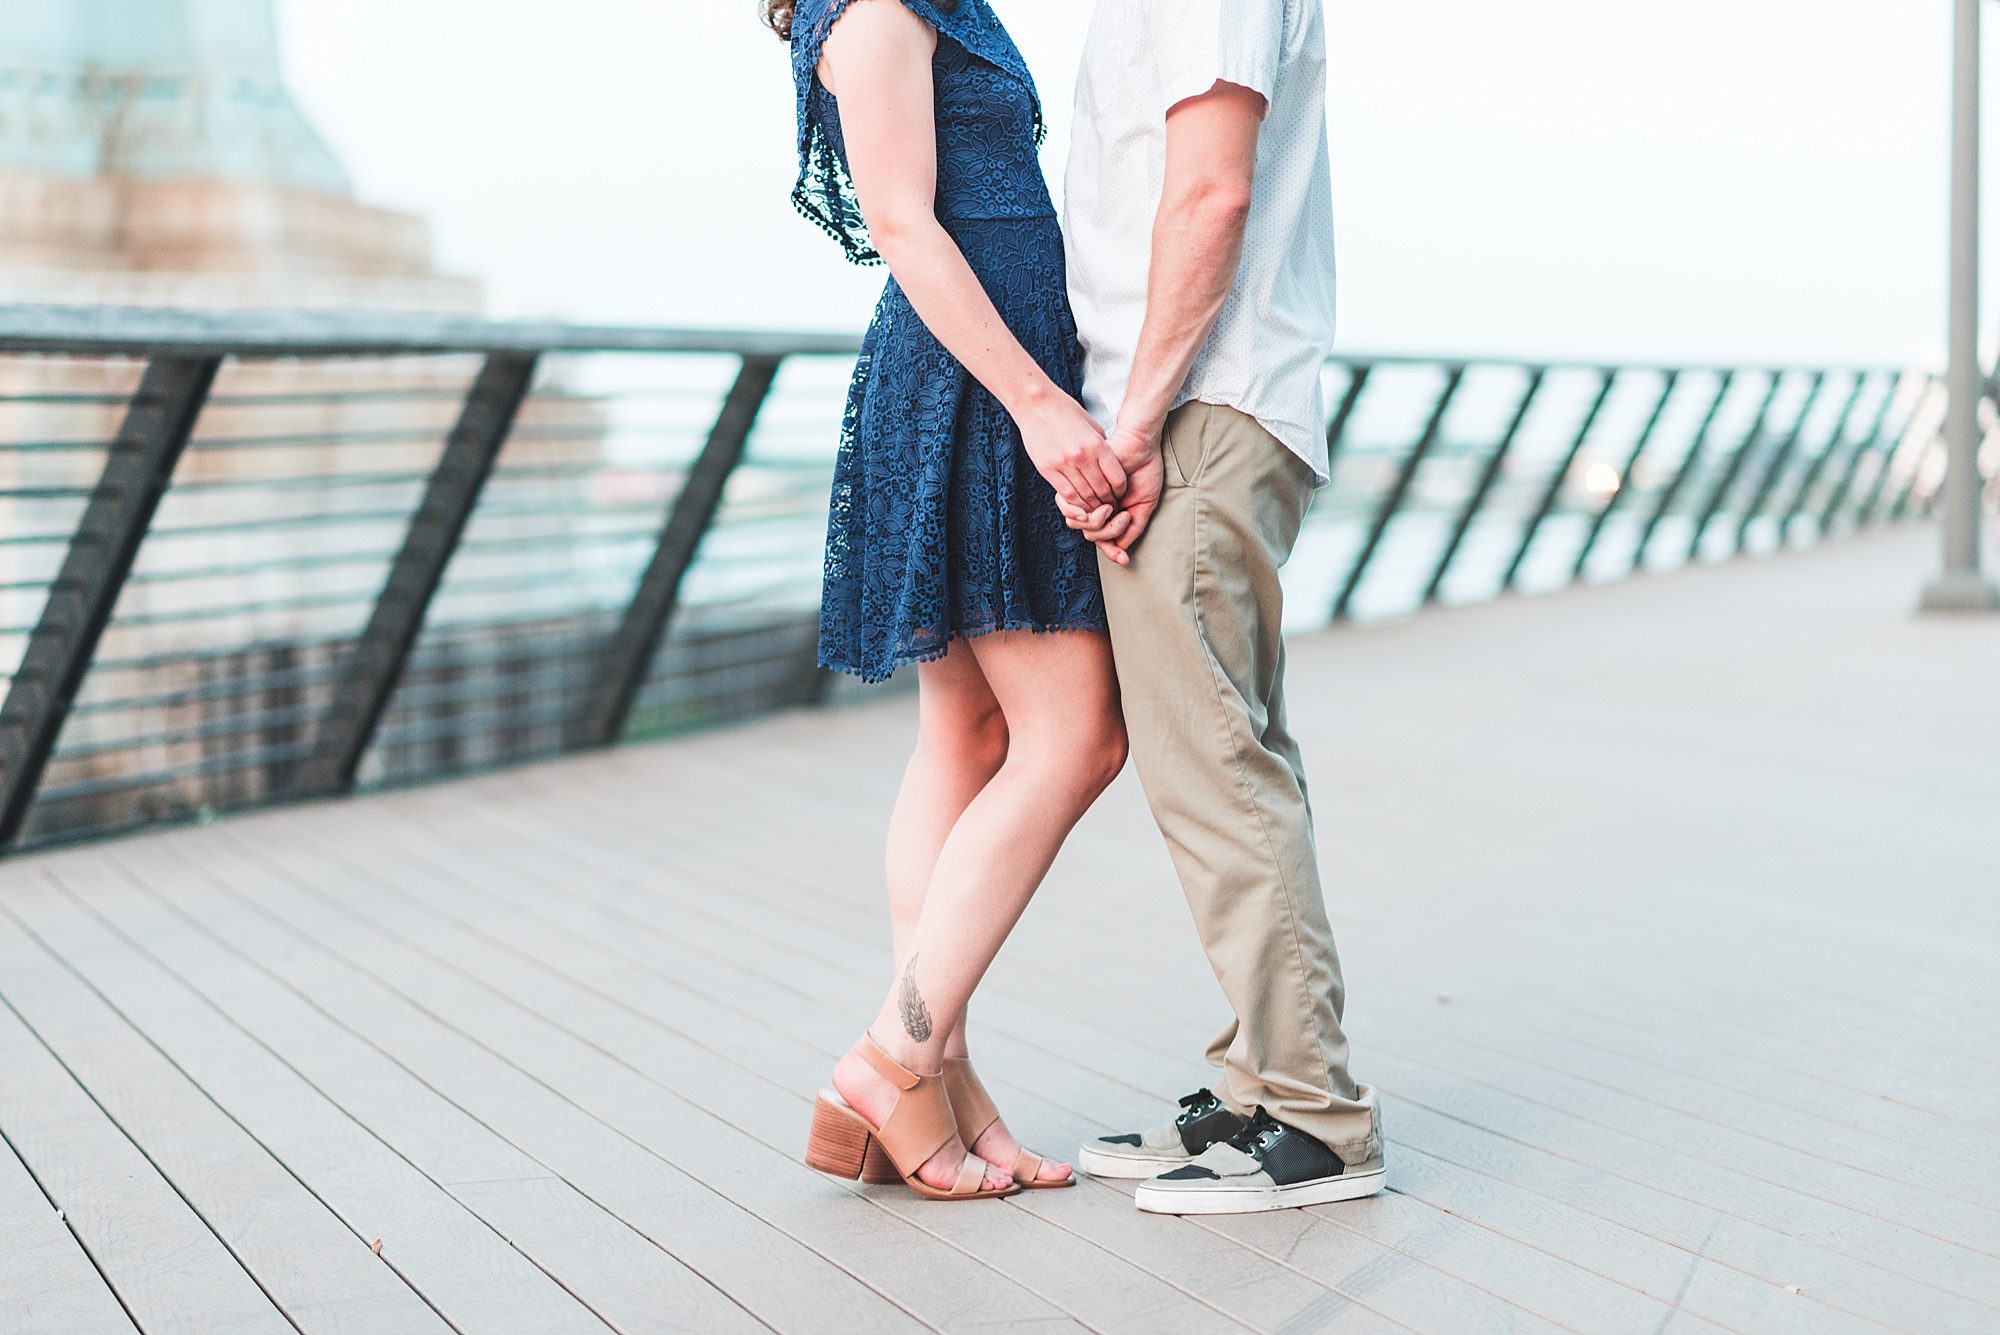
<point x="961" y="744"/>
<point x="1065" y="743"/>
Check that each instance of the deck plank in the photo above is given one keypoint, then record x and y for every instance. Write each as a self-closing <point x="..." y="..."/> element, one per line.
<point x="715" y="1239"/>
<point x="602" y="1261"/>
<point x="316" y="1270"/>
<point x="48" y="1285"/>
<point x="171" y="1272"/>
<point x="442" y="1248"/>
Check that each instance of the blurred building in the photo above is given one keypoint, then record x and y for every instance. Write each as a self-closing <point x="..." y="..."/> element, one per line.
<point x="151" y="155"/>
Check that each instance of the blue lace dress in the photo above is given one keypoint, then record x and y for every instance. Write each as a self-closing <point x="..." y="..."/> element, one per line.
<point x="940" y="526"/>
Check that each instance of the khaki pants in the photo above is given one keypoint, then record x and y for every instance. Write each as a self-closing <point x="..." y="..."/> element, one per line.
<point x="1195" y="630"/>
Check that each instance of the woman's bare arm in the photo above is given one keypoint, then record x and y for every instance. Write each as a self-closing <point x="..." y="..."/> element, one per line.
<point x="877" y="61"/>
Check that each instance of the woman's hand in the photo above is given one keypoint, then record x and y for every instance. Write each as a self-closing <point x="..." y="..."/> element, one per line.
<point x="1116" y="529"/>
<point x="1069" y="450"/>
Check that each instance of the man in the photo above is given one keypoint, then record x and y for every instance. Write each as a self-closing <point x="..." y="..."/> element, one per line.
<point x="1200" y="225"/>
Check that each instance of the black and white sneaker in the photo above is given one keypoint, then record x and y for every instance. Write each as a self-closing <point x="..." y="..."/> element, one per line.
<point x="1202" y="1122"/>
<point x="1265" y="1166"/>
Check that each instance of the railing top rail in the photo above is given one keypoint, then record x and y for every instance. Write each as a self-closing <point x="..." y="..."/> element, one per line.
<point x="150" y="332"/>
<point x="141" y="331"/>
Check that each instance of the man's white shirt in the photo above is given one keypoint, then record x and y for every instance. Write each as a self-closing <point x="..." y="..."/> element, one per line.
<point x="1275" y="332"/>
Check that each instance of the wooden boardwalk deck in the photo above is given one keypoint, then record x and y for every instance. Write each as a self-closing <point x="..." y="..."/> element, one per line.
<point x="1670" y="921"/>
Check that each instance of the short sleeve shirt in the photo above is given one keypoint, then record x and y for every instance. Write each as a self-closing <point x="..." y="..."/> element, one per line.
<point x="1265" y="354"/>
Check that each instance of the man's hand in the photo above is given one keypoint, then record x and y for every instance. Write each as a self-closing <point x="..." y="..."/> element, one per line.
<point x="1116" y="531"/>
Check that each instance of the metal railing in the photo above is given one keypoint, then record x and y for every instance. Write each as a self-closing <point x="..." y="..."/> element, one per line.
<point x="250" y="558"/>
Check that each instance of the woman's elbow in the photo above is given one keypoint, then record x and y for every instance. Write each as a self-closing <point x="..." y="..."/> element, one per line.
<point x="896" y="230"/>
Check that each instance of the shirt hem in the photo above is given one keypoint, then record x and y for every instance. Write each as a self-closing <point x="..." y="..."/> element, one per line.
<point x="1304" y="441"/>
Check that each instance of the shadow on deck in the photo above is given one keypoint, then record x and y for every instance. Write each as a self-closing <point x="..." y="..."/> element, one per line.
<point x="1668" y="917"/>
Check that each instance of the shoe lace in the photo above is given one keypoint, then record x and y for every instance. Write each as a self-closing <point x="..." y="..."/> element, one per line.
<point x="1256" y="1134"/>
<point x="1195" y="1105"/>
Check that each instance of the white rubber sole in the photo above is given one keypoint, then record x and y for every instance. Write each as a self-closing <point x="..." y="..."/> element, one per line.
<point x="1126" y="1168"/>
<point x="1255" y="1200"/>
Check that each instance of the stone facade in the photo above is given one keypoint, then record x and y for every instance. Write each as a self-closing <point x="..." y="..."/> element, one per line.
<point x="150" y="155"/>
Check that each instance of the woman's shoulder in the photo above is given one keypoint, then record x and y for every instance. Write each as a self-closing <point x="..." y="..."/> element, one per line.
<point x="812" y="18"/>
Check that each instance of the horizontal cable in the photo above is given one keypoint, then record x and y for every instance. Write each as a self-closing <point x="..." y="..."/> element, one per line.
<point x="236" y="760"/>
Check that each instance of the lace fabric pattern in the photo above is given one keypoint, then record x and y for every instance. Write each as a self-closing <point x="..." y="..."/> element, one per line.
<point x="939" y="527"/>
<point x="987" y="165"/>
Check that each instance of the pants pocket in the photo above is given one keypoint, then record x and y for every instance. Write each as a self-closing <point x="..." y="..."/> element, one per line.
<point x="1185" y="443"/>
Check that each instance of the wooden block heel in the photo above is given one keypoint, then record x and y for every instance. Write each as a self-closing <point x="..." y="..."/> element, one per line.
<point x="877" y="1168"/>
<point x="839" y="1141"/>
<point x="842" y="1143"/>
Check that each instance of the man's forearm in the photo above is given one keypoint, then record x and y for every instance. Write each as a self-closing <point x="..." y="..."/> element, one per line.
<point x="1197" y="249"/>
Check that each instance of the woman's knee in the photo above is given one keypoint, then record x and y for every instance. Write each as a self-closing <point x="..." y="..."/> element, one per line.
<point x="1084" y="758"/>
<point x="968" y="735"/>
<point x="1112" y="749"/>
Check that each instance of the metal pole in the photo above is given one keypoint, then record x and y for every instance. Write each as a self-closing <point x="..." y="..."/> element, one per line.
<point x="138" y="469"/>
<point x="1960" y="587"/>
<point x="1385" y="514"/>
<point x="1484" y="487"/>
<point x="1553" y="492"/>
<point x="1834" y="439"/>
<point x="1776" y="468"/>
<point x="628" y="655"/>
<point x="1667" y="387"/>
<point x="375" y="663"/>
<point x="1720" y="493"/>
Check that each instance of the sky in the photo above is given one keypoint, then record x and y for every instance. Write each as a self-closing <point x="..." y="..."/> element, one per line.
<point x="1758" y="180"/>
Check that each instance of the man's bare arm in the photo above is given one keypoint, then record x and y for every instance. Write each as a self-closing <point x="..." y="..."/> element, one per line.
<point x="1197" y="250"/>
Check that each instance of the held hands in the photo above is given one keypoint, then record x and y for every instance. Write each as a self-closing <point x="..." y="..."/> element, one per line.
<point x="1116" y="528"/>
<point x="1069" y="450"/>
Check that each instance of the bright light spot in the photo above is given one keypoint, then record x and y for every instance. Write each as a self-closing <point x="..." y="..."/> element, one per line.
<point x="1601" y="479"/>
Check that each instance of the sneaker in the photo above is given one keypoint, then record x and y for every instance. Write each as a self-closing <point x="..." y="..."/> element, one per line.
<point x="1265" y="1166"/>
<point x="1202" y="1122"/>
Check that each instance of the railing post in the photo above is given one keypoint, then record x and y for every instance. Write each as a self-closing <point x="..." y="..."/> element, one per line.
<point x="1720" y="492"/>
<point x="1901" y="506"/>
<point x="375" y="663"/>
<point x="1393" y="501"/>
<point x="1336" y="430"/>
<point x="629" y="654"/>
<point x="1779" y="460"/>
<point x="1870" y="508"/>
<point x="1824" y="457"/>
<point x="1862" y="449"/>
<point x="138" y="469"/>
<point x="1646" y="434"/>
<point x="1556" y="480"/>
<point x="1487" y="477"/>
<point x="1680" y="477"/>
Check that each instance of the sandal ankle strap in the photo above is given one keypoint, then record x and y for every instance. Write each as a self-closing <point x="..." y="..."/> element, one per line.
<point x="886" y="1066"/>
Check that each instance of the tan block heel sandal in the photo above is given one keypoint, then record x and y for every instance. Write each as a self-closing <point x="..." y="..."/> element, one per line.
<point x="843" y="1143"/>
<point x="973" y="1109"/>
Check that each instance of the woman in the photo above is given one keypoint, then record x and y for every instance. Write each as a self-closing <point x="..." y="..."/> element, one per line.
<point x="918" y="124"/>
